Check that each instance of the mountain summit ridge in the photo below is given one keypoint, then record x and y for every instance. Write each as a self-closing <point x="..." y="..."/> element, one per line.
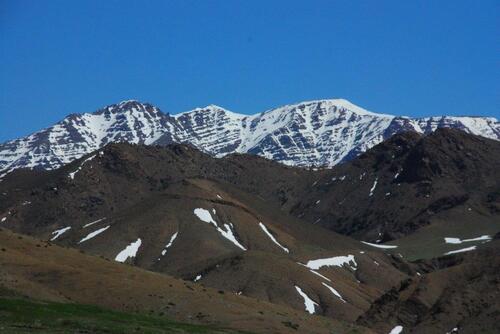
<point x="311" y="133"/>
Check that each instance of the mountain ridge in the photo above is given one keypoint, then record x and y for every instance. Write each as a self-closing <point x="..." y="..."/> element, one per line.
<point x="308" y="134"/>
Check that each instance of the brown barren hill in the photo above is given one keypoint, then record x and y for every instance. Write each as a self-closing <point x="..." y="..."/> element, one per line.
<point x="45" y="271"/>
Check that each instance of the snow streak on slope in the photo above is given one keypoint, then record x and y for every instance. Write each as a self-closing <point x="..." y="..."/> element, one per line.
<point x="467" y="249"/>
<point x="205" y="216"/>
<point x="308" y="302"/>
<point x="170" y="243"/>
<point x="94" y="222"/>
<point x="459" y="241"/>
<point x="93" y="234"/>
<point x="379" y="246"/>
<point x="273" y="239"/>
<point x="58" y="233"/>
<point x="335" y="292"/>
<point x="313" y="133"/>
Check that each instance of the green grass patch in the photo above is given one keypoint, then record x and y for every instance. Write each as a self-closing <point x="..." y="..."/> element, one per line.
<point x="26" y="316"/>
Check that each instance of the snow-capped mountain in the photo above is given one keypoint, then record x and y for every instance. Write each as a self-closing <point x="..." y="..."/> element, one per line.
<point x="314" y="133"/>
<point x="77" y="135"/>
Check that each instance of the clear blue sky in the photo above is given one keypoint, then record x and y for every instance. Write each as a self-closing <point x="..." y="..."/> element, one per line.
<point x="414" y="58"/>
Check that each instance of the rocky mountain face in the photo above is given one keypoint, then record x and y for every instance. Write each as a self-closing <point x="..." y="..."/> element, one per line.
<point x="77" y="135"/>
<point x="314" y="133"/>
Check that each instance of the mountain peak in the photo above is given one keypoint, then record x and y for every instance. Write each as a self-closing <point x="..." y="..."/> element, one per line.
<point x="211" y="107"/>
<point x="127" y="104"/>
<point x="333" y="104"/>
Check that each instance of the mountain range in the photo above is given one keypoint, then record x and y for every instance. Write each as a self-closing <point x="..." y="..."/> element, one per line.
<point x="319" y="133"/>
<point x="317" y="217"/>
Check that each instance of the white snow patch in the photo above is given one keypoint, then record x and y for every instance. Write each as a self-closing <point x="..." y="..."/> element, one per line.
<point x="308" y="302"/>
<point x="172" y="238"/>
<point x="396" y="330"/>
<point x="379" y="246"/>
<point x="458" y="241"/>
<point x="205" y="216"/>
<point x="94" y="222"/>
<point x="373" y="187"/>
<point x="461" y="250"/>
<point x="335" y="292"/>
<point x="57" y="233"/>
<point x="337" y="261"/>
<point x="129" y="251"/>
<point x="273" y="239"/>
<point x="93" y="234"/>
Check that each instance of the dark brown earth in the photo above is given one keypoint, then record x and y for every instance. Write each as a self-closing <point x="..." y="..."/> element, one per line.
<point x="458" y="291"/>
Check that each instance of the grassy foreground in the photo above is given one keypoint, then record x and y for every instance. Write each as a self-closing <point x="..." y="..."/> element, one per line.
<point x="26" y="316"/>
